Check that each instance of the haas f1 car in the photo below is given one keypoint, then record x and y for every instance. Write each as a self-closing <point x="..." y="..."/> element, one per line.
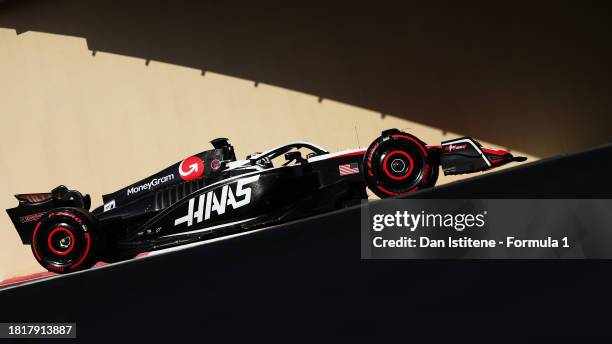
<point x="212" y="194"/>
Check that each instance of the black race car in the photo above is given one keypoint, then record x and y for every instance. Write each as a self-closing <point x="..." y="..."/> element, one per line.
<point x="213" y="194"/>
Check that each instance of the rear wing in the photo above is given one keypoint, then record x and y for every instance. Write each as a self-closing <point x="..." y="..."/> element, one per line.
<point x="34" y="205"/>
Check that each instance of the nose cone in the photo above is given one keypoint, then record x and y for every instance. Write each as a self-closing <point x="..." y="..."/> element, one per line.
<point x="518" y="158"/>
<point x="499" y="157"/>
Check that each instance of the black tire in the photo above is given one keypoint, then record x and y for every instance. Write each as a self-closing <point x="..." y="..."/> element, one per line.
<point x="66" y="240"/>
<point x="398" y="163"/>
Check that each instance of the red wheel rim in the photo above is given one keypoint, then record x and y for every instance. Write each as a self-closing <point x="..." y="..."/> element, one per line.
<point x="53" y="232"/>
<point x="404" y="154"/>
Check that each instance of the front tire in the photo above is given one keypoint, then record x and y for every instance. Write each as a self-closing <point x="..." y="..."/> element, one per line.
<point x="398" y="163"/>
<point x="66" y="240"/>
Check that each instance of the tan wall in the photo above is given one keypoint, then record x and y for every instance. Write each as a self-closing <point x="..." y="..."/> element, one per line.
<point x="98" y="123"/>
<point x="515" y="73"/>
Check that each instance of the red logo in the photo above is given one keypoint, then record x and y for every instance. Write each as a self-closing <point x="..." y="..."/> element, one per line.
<point x="55" y="268"/>
<point x="31" y="217"/>
<point x="191" y="168"/>
<point x="215" y="164"/>
<point x="452" y="147"/>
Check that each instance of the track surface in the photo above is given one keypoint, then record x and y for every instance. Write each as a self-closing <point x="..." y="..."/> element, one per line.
<point x="306" y="279"/>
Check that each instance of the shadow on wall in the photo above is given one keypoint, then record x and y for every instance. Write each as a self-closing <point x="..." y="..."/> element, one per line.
<point x="533" y="77"/>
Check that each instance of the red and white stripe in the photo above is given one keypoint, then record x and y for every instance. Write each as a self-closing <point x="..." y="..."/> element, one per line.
<point x="347" y="169"/>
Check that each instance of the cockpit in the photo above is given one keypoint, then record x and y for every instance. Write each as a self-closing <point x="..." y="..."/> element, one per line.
<point x="292" y="153"/>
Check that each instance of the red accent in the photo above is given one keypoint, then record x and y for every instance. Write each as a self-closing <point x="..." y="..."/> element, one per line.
<point x="361" y="152"/>
<point x="86" y="251"/>
<point x="369" y="157"/>
<point x="26" y="278"/>
<point x="347" y="170"/>
<point x="387" y="170"/>
<point x="72" y="216"/>
<point x="215" y="164"/>
<point x="494" y="151"/>
<point x="31" y="217"/>
<point x="56" y="268"/>
<point x="453" y="147"/>
<point x="395" y="193"/>
<point x="413" y="140"/>
<point x="33" y="242"/>
<point x="190" y="173"/>
<point x="34" y="198"/>
<point x="495" y="161"/>
<point x="60" y="229"/>
<point x="40" y="275"/>
<point x="426" y="171"/>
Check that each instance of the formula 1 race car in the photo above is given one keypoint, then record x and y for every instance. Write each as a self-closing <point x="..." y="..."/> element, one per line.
<point x="212" y="194"/>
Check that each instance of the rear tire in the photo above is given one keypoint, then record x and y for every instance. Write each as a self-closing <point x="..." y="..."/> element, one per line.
<point x="398" y="163"/>
<point x="66" y="240"/>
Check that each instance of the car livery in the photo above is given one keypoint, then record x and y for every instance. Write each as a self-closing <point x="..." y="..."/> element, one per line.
<point x="212" y="194"/>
